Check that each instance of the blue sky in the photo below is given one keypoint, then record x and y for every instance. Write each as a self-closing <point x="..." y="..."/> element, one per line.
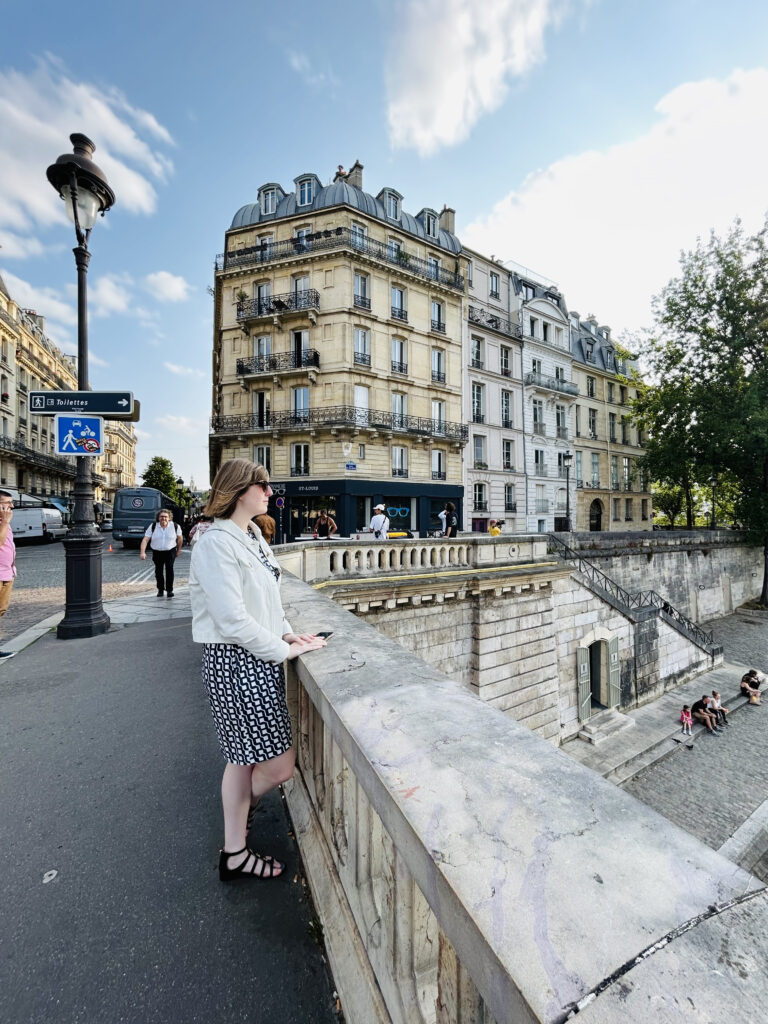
<point x="591" y="141"/>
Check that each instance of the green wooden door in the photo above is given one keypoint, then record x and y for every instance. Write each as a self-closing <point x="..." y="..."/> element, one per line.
<point x="614" y="673"/>
<point x="585" y="684"/>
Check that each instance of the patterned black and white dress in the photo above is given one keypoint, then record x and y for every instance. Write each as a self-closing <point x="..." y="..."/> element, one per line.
<point x="247" y="698"/>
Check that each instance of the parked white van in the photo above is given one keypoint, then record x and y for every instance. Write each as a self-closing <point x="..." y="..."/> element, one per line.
<point x="34" y="520"/>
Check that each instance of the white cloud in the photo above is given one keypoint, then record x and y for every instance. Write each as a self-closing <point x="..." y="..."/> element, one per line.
<point x="183" y="371"/>
<point x="94" y="360"/>
<point x="167" y="287"/>
<point x="141" y="435"/>
<point x="186" y="425"/>
<point x="451" y="61"/>
<point x="110" y="294"/>
<point x="46" y="301"/>
<point x="38" y="111"/>
<point x="609" y="225"/>
<point x="17" y="247"/>
<point x="301" y="64"/>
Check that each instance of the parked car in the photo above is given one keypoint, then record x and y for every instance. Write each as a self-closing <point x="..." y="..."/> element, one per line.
<point x="106" y="525"/>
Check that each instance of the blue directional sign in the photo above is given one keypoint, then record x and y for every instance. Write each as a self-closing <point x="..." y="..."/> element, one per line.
<point x="79" y="435"/>
<point x="115" y="404"/>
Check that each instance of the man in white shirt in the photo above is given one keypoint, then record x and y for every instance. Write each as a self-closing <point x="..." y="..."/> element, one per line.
<point x="379" y="523"/>
<point x="165" y="539"/>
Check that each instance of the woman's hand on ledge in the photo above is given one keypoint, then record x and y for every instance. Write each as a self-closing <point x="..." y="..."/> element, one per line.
<point x="298" y="638"/>
<point x="303" y="646"/>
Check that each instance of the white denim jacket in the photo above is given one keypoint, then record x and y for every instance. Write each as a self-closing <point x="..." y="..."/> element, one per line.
<point x="235" y="598"/>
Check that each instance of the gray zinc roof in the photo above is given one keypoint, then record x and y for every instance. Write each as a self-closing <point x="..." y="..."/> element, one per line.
<point x="337" y="194"/>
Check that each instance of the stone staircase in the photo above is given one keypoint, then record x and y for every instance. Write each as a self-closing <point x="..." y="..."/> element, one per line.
<point x="631" y="604"/>
<point x="605" y="724"/>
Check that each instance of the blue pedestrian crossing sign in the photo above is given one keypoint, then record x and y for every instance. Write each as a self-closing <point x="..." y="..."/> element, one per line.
<point x="79" y="435"/>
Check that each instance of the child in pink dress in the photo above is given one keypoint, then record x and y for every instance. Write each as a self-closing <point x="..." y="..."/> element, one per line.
<point x="686" y="719"/>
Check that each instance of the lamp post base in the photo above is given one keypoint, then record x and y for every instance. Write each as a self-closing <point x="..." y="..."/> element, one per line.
<point x="84" y="615"/>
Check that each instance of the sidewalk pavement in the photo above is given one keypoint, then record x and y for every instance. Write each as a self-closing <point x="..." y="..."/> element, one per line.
<point x="112" y="907"/>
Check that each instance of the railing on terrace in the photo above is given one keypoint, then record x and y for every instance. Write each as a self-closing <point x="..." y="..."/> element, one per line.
<point x="336" y="238"/>
<point x="279" y="361"/>
<point x="342" y="416"/>
<point x="288" y="302"/>
<point x="484" y="318"/>
<point x="642" y="599"/>
<point x="565" y="387"/>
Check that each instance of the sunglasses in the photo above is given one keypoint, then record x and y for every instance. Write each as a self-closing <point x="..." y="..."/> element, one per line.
<point x="263" y="484"/>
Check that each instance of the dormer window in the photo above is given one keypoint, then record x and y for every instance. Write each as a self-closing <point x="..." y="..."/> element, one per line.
<point x="431" y="225"/>
<point x="393" y="208"/>
<point x="305" y="192"/>
<point x="268" y="201"/>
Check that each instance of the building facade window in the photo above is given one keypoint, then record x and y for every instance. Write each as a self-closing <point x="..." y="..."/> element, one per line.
<point x="505" y="361"/>
<point x="593" y="424"/>
<point x="399" y="355"/>
<point x="616" y="513"/>
<point x="510" y="504"/>
<point x="269" y="201"/>
<point x="438" y="366"/>
<point x="579" y="476"/>
<point x="399" y="460"/>
<point x="477" y="350"/>
<point x="590" y="387"/>
<point x="536" y="366"/>
<point x="438" y="317"/>
<point x="362" y="347"/>
<point x="300" y="405"/>
<point x="595" y="469"/>
<point x="399" y="309"/>
<point x="433" y="267"/>
<point x="508" y="455"/>
<point x="495" y="285"/>
<point x="539" y="462"/>
<point x="358" y="234"/>
<point x="612" y="426"/>
<point x="628" y="510"/>
<point x="561" y="420"/>
<point x="478" y="403"/>
<point x="478" y="450"/>
<point x="399" y="410"/>
<point x="262" y="456"/>
<point x="644" y="508"/>
<point x="538" y="417"/>
<point x="431" y="224"/>
<point x="506" y="409"/>
<point x="305" y="192"/>
<point x="615" y="472"/>
<point x="438" y="464"/>
<point x="362" y="293"/>
<point x="299" y="460"/>
<point x="479" y="499"/>
<point x="534" y="327"/>
<point x="438" y="416"/>
<point x="393" y="207"/>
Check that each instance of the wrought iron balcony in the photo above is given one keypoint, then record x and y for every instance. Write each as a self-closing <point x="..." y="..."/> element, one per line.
<point x="299" y="470"/>
<point x="538" y="380"/>
<point x="339" y="416"/>
<point x="507" y="423"/>
<point x="54" y="462"/>
<point x="506" y="371"/>
<point x="399" y="367"/>
<point x="615" y="485"/>
<point x="480" y="506"/>
<point x="478" y="417"/>
<point x="508" y="467"/>
<point x="362" y="301"/>
<point x="477" y="364"/>
<point x="362" y="359"/>
<point x="278" y="362"/>
<point x="539" y="469"/>
<point x="628" y="485"/>
<point x="438" y="474"/>
<point x="542" y="505"/>
<point x="439" y="326"/>
<point x="594" y="484"/>
<point x="399" y="314"/>
<point x="277" y="305"/>
<point x="399" y="471"/>
<point x="484" y="318"/>
<point x="337" y="238"/>
<point x="510" y="506"/>
<point x="540" y="429"/>
<point x="438" y="377"/>
<point x="480" y="464"/>
<point x="562" y="433"/>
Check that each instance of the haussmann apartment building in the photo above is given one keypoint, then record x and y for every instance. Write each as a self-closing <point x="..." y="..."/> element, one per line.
<point x="338" y="353"/>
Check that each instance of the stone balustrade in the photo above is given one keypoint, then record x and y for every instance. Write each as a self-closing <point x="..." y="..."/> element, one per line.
<point x="319" y="560"/>
<point x="466" y="872"/>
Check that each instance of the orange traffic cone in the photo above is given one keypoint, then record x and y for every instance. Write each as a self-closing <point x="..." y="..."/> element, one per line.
<point x="109" y="548"/>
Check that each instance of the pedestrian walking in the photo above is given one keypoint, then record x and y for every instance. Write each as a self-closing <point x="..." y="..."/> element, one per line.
<point x="7" y="558"/>
<point x="687" y="719"/>
<point x="238" y="617"/>
<point x="380" y="522"/>
<point x="199" y="529"/>
<point x="451" y="520"/>
<point x="165" y="539"/>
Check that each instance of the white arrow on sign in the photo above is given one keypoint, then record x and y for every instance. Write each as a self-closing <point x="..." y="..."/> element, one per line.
<point x="123" y="401"/>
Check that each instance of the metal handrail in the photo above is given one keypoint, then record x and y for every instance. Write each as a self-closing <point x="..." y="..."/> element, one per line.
<point x="336" y="238"/>
<point x="279" y="361"/>
<point x="485" y="318"/>
<point x="643" y="599"/>
<point x="288" y="302"/>
<point x="343" y="416"/>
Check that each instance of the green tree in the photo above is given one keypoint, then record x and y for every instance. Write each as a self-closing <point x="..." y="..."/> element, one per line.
<point x="669" y="500"/>
<point x="709" y="353"/>
<point x="159" y="473"/>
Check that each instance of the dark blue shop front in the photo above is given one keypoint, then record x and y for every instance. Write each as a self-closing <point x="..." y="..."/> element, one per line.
<point x="410" y="506"/>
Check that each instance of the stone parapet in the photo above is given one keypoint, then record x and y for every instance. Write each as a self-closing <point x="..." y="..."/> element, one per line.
<point x="465" y="870"/>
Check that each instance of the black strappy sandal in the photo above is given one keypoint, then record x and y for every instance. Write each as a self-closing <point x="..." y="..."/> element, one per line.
<point x="270" y="868"/>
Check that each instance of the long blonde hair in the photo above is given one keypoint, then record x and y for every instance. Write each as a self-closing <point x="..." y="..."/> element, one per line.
<point x="233" y="479"/>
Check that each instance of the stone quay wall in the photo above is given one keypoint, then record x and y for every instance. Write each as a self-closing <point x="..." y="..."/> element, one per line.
<point x="705" y="574"/>
<point x="464" y="870"/>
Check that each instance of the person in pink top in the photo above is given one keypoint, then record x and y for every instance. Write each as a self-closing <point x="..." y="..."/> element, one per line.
<point x="7" y="558"/>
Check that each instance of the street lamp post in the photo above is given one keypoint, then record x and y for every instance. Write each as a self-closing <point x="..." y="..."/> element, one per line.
<point x="567" y="459"/>
<point x="84" y="189"/>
